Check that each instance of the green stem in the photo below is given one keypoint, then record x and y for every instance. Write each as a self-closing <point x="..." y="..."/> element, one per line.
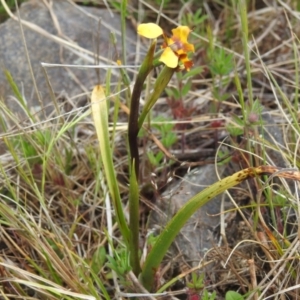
<point x="160" y="84"/>
<point x="123" y="29"/>
<point x="134" y="223"/>
<point x="244" y="21"/>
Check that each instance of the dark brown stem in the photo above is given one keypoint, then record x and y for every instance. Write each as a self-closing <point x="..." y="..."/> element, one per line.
<point x="133" y="128"/>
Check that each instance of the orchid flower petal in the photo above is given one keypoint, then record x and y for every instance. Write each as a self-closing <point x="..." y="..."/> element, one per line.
<point x="169" y="58"/>
<point x="182" y="33"/>
<point x="149" y="30"/>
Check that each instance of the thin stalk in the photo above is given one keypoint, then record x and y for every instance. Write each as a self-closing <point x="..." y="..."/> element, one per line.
<point x="160" y="84"/>
<point x="134" y="223"/>
<point x="244" y="20"/>
<point x="296" y="59"/>
<point x="123" y="29"/>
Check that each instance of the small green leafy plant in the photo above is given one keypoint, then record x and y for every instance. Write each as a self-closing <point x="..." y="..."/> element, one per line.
<point x="197" y="288"/>
<point x="220" y="65"/>
<point x="164" y="129"/>
<point x="120" y="263"/>
<point x="231" y="295"/>
<point x="249" y="121"/>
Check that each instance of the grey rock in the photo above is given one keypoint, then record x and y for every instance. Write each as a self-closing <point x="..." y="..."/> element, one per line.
<point x="78" y="25"/>
<point x="273" y="134"/>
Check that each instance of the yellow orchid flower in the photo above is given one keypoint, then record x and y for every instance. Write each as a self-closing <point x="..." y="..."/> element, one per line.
<point x="175" y="48"/>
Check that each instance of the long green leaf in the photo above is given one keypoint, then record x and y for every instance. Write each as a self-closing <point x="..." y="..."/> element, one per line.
<point x="174" y="226"/>
<point x="100" y="116"/>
